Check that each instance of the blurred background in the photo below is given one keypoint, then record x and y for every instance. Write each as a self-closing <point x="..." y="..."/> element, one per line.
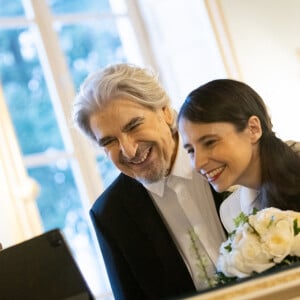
<point x="49" y="174"/>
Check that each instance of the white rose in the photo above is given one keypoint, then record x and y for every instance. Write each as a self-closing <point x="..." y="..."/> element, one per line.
<point x="296" y="245"/>
<point x="262" y="220"/>
<point x="275" y="229"/>
<point x="263" y="241"/>
<point x="279" y="240"/>
<point x="246" y="255"/>
<point x="228" y="263"/>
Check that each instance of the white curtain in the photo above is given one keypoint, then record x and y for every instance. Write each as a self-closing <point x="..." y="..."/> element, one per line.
<point x="19" y="217"/>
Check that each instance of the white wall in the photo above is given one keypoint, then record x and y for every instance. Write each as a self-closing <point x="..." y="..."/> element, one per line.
<point x="266" y="39"/>
<point x="265" y="36"/>
<point x="184" y="44"/>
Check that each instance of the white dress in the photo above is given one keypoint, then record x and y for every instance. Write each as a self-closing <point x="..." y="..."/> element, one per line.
<point x="241" y="200"/>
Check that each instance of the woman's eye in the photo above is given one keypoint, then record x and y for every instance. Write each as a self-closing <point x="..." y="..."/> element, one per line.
<point x="190" y="151"/>
<point x="209" y="143"/>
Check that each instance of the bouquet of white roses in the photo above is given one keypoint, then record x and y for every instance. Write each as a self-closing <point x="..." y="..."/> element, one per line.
<point x="260" y="241"/>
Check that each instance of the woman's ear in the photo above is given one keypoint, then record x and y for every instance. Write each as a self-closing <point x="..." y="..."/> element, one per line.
<point x="255" y="130"/>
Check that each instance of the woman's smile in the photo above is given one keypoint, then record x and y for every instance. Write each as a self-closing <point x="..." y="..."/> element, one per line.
<point x="214" y="174"/>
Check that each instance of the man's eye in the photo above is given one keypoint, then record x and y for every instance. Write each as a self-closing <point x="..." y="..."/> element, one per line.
<point x="106" y="143"/>
<point x="134" y="126"/>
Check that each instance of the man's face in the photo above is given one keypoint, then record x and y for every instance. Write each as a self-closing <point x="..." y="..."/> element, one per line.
<point x="137" y="139"/>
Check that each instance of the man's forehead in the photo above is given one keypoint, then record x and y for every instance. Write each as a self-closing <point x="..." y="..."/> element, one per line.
<point x="123" y="113"/>
<point x="124" y="102"/>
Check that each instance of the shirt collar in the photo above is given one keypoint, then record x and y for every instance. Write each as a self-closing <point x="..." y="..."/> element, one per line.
<point x="181" y="169"/>
<point x="248" y="199"/>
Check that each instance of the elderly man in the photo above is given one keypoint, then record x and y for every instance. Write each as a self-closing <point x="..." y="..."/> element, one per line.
<point x="157" y="223"/>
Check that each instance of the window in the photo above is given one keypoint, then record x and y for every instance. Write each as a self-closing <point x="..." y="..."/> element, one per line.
<point x="46" y="49"/>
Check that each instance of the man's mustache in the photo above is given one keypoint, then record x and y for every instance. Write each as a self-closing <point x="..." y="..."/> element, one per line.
<point x="139" y="152"/>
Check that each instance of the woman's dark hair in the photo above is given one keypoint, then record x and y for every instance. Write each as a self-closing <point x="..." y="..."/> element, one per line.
<point x="227" y="100"/>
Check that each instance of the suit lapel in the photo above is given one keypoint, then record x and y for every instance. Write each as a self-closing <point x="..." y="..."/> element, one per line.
<point x="156" y="241"/>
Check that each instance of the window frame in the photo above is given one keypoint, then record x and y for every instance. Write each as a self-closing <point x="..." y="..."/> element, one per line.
<point x="81" y="154"/>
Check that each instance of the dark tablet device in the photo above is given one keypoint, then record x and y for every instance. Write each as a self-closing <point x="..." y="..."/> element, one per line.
<point x="41" y="268"/>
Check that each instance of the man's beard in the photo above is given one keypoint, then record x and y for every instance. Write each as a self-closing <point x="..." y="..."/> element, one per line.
<point x="153" y="175"/>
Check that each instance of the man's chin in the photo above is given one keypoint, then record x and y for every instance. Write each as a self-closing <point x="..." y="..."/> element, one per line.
<point x="145" y="181"/>
<point x="149" y="179"/>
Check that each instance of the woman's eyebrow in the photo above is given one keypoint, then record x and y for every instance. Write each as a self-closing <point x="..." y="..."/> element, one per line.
<point x="200" y="139"/>
<point x="186" y="146"/>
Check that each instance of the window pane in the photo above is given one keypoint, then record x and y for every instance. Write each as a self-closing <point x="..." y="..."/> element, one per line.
<point x="90" y="46"/>
<point x="26" y="93"/>
<point x="60" y="207"/>
<point x="58" y="200"/>
<point x="79" y="6"/>
<point x="118" y="6"/>
<point x="108" y="171"/>
<point x="11" y="8"/>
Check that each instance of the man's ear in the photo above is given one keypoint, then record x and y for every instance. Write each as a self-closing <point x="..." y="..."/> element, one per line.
<point x="168" y="114"/>
<point x="255" y="130"/>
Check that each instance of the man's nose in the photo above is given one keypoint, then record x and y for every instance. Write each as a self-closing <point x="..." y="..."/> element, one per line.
<point x="128" y="148"/>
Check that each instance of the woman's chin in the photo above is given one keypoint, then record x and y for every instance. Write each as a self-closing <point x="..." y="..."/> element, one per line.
<point x="218" y="188"/>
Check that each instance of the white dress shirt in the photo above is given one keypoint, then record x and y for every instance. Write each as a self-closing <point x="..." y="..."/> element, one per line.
<point x="185" y="202"/>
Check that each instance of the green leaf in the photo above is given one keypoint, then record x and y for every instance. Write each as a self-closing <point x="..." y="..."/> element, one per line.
<point x="240" y="219"/>
<point x="296" y="227"/>
<point x="228" y="248"/>
<point x="223" y="279"/>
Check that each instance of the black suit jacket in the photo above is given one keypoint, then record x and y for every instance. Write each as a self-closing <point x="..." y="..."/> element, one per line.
<point x="141" y="258"/>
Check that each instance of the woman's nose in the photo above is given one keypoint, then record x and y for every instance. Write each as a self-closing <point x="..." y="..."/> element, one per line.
<point x="200" y="160"/>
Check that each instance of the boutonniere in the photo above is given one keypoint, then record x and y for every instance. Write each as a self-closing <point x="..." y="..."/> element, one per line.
<point x="203" y="262"/>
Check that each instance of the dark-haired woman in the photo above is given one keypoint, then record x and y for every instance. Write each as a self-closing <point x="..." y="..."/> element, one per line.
<point x="228" y="134"/>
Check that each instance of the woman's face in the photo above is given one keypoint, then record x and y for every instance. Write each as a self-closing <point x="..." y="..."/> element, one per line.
<point x="224" y="156"/>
